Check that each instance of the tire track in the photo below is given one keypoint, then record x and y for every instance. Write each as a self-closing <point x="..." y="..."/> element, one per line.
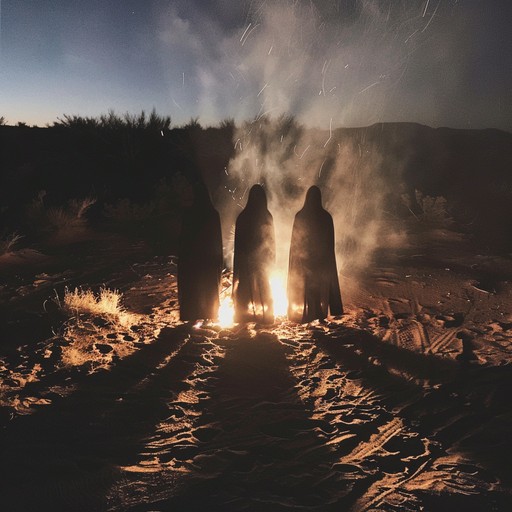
<point x="391" y="463"/>
<point x="441" y="342"/>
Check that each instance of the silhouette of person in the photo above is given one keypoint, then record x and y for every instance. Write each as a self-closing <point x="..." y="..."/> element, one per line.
<point x="200" y="259"/>
<point x="313" y="288"/>
<point x="253" y="260"/>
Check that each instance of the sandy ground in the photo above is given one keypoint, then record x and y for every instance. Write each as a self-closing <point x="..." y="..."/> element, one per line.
<point x="401" y="404"/>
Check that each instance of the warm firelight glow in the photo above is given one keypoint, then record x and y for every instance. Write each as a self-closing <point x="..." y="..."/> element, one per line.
<point x="278" y="287"/>
<point x="226" y="311"/>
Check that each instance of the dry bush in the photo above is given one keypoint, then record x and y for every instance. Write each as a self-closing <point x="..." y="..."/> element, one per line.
<point x="166" y="202"/>
<point x="431" y="210"/>
<point x="92" y="317"/>
<point x="107" y="303"/>
<point x="72" y="214"/>
<point x="9" y="242"/>
<point x="114" y="121"/>
<point x="54" y="219"/>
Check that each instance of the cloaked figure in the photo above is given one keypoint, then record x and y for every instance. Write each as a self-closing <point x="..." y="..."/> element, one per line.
<point x="313" y="288"/>
<point x="200" y="259"/>
<point x="253" y="260"/>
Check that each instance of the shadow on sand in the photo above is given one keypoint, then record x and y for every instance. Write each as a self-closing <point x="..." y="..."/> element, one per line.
<point x="65" y="456"/>
<point x="459" y="404"/>
<point x="267" y="452"/>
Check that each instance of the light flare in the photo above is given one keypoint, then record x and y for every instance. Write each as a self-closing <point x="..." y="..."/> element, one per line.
<point x="278" y="287"/>
<point x="226" y="311"/>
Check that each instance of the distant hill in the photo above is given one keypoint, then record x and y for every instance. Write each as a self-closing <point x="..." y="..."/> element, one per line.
<point x="472" y="169"/>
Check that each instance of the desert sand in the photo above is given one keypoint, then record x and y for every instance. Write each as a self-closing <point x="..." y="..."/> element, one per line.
<point x="402" y="403"/>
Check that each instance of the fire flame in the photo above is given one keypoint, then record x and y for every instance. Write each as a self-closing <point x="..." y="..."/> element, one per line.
<point x="226" y="311"/>
<point x="278" y="287"/>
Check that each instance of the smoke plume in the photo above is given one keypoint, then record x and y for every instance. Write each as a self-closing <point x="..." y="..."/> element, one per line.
<point x="289" y="75"/>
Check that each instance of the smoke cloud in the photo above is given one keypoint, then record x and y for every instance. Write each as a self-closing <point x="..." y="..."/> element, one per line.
<point x="287" y="159"/>
<point x="345" y="62"/>
<point x="291" y="72"/>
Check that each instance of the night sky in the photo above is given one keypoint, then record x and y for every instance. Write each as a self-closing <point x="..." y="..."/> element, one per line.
<point x="329" y="62"/>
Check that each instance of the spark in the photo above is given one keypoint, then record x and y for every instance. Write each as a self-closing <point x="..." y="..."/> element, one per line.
<point x="183" y="80"/>
<point x="247" y="33"/>
<point x="177" y="104"/>
<point x="266" y="112"/>
<point x="325" y="67"/>
<point x="303" y="153"/>
<point x="289" y="76"/>
<point x="330" y="137"/>
<point x="426" y="7"/>
<point x="321" y="167"/>
<point x="369" y="87"/>
<point x="270" y="50"/>
<point x="263" y="88"/>
<point x="411" y="35"/>
<point x="432" y="17"/>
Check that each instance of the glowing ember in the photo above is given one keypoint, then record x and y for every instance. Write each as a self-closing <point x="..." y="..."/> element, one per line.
<point x="278" y="287"/>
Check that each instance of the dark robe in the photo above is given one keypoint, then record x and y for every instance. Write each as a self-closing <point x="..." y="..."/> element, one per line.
<point x="253" y="260"/>
<point x="200" y="259"/>
<point x="313" y="288"/>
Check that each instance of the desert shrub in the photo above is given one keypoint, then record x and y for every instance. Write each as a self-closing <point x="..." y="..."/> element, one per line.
<point x="113" y="121"/>
<point x="91" y="317"/>
<point x="164" y="206"/>
<point x="9" y="242"/>
<point x="227" y="124"/>
<point x="69" y="215"/>
<point x="430" y="210"/>
<point x="106" y="303"/>
<point x="48" y="220"/>
<point x="3" y="120"/>
<point x="193" y="124"/>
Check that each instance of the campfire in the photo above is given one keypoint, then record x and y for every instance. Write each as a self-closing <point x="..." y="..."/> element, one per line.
<point x="278" y="286"/>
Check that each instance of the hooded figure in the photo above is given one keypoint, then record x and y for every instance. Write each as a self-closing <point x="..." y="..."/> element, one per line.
<point x="253" y="260"/>
<point x="200" y="259"/>
<point x="313" y="286"/>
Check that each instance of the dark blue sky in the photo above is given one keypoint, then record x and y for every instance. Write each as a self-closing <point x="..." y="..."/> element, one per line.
<point x="332" y="62"/>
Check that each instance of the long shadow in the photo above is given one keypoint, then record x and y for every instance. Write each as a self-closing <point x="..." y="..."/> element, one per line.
<point x="364" y="351"/>
<point x="265" y="452"/>
<point x="465" y="401"/>
<point x="65" y="456"/>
